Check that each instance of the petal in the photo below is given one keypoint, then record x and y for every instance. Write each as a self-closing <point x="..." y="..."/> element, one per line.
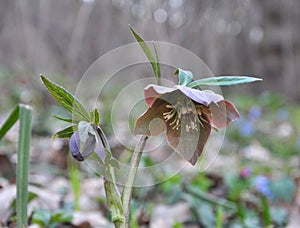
<point x="89" y="146"/>
<point x="204" y="97"/>
<point x="189" y="144"/>
<point x="152" y="92"/>
<point x="223" y="113"/>
<point x="151" y="123"/>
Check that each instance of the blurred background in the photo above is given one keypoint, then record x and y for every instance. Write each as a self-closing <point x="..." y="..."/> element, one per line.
<point x="245" y="37"/>
<point x="61" y="39"/>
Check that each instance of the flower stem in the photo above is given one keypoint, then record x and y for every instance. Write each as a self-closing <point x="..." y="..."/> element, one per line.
<point x="113" y="196"/>
<point x="128" y="187"/>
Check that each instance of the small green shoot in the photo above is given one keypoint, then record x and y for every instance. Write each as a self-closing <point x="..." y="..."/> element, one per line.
<point x="75" y="182"/>
<point x="47" y="218"/>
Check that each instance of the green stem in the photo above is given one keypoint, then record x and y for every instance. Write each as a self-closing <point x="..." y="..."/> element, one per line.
<point x="210" y="198"/>
<point x="23" y="164"/>
<point x="128" y="187"/>
<point x="113" y="196"/>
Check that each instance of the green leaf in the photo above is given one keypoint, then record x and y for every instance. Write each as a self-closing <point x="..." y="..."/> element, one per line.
<point x="66" y="99"/>
<point x="61" y="216"/>
<point x="184" y="76"/>
<point x="41" y="217"/>
<point x="266" y="211"/>
<point x="157" y="66"/>
<point x="31" y="196"/>
<point x="95" y="116"/>
<point x="65" y="133"/>
<point x="154" y="62"/>
<point x="279" y="215"/>
<point x="10" y="121"/>
<point x="223" y="81"/>
<point x="69" y="120"/>
<point x="283" y="189"/>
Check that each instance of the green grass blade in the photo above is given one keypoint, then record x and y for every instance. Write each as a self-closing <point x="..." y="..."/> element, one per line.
<point x="75" y="179"/>
<point x="10" y="121"/>
<point x="148" y="53"/>
<point x="219" y="217"/>
<point x="25" y="115"/>
<point x="66" y="99"/>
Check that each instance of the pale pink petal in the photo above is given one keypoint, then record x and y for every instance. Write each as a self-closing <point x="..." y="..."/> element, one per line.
<point x="189" y="144"/>
<point x="152" y="92"/>
<point x="204" y="97"/>
<point x="223" y="113"/>
<point x="151" y="123"/>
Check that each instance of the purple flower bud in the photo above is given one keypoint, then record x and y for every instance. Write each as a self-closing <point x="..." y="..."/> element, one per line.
<point x="87" y="148"/>
<point x="245" y="172"/>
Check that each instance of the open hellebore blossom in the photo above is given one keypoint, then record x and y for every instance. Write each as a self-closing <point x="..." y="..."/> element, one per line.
<point x="189" y="115"/>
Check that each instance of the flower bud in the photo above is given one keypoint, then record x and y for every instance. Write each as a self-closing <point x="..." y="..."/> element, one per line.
<point x="81" y="152"/>
<point x="245" y="172"/>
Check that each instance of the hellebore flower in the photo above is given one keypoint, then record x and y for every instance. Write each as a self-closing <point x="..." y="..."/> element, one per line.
<point x="188" y="116"/>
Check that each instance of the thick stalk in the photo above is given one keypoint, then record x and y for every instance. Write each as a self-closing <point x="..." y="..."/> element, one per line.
<point x="128" y="187"/>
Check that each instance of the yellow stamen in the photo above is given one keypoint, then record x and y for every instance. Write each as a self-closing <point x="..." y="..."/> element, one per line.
<point x="186" y="107"/>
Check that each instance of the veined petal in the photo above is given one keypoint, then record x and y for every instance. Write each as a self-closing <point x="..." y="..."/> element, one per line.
<point x="151" y="123"/>
<point x="152" y="92"/>
<point x="204" y="97"/>
<point x="223" y="113"/>
<point x="189" y="144"/>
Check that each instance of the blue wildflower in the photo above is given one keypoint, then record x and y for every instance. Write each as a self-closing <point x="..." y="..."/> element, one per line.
<point x="254" y="112"/>
<point x="262" y="185"/>
<point x="246" y="129"/>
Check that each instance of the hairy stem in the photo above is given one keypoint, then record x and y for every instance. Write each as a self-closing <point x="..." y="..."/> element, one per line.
<point x="128" y="187"/>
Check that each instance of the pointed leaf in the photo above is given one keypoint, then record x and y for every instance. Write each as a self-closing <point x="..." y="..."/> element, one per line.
<point x="69" y="120"/>
<point x="65" y="133"/>
<point x="223" y="81"/>
<point x="148" y="53"/>
<point x="41" y="217"/>
<point x="10" y="121"/>
<point x="157" y="66"/>
<point x="185" y="77"/>
<point x="66" y="99"/>
<point x="95" y="116"/>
